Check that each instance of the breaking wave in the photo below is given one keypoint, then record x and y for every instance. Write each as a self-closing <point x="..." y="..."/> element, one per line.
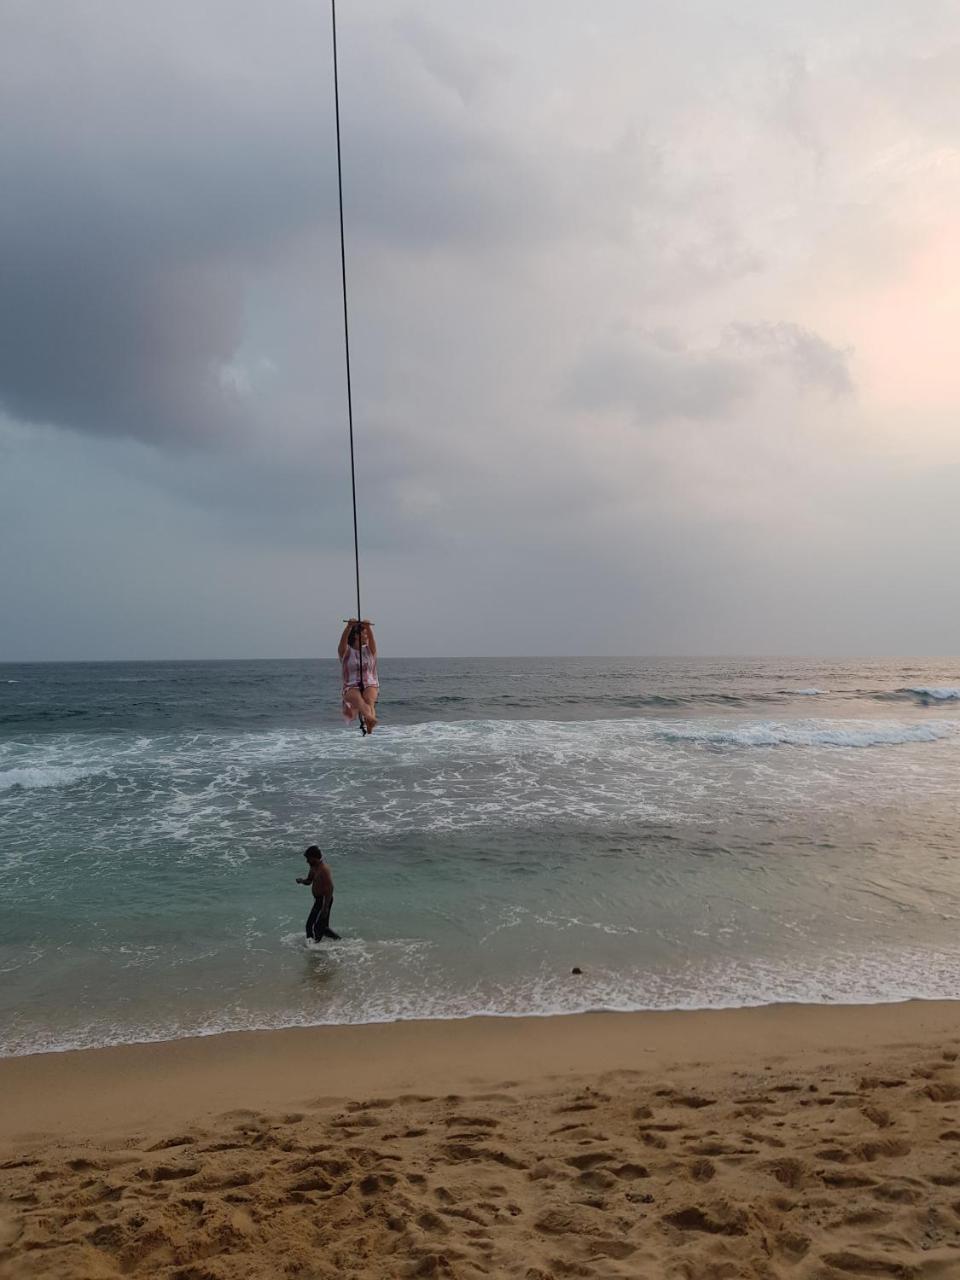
<point x="925" y="693"/>
<point x="809" y="734"/>
<point x="37" y="777"/>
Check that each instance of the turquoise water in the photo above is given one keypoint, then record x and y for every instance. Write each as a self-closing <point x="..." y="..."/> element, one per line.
<point x="688" y="833"/>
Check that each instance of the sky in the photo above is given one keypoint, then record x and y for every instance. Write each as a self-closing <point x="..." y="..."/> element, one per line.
<point x="654" y="314"/>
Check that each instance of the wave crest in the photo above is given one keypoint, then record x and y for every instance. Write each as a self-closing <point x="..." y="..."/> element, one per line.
<point x="36" y="777"/>
<point x="808" y="734"/>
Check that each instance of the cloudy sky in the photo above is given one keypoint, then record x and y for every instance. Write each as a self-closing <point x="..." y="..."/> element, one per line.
<point x="655" y="314"/>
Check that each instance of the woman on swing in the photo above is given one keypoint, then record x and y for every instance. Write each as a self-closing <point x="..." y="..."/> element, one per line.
<point x="358" y="658"/>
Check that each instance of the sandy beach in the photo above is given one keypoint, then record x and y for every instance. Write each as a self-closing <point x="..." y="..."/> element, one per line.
<point x="793" y="1141"/>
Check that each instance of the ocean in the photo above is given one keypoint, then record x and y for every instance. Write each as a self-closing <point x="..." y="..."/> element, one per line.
<point x="688" y="833"/>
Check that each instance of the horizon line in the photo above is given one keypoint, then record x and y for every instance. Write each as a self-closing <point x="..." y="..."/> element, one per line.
<point x="507" y="657"/>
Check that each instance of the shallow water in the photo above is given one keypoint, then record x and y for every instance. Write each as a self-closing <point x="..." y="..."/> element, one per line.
<point x="689" y="833"/>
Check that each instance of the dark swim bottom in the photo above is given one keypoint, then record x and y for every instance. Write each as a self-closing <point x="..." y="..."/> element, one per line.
<point x="318" y="921"/>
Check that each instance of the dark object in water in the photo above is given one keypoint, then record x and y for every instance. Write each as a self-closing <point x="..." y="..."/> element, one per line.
<point x="576" y="970"/>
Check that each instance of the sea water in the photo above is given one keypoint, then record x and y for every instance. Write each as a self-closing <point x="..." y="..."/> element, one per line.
<point x="689" y="834"/>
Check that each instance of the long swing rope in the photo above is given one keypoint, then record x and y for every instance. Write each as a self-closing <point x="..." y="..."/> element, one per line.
<point x="346" y="350"/>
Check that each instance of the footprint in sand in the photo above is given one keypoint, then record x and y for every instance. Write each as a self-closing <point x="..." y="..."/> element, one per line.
<point x="461" y="1153"/>
<point x="316" y="1182"/>
<point x="867" y="1083"/>
<point x="11" y="1226"/>
<point x="374" y="1183"/>
<point x="888" y="1147"/>
<point x="896" y="1193"/>
<point x="859" y="1264"/>
<point x="788" y="1171"/>
<point x="430" y="1221"/>
<point x="791" y="1245"/>
<point x="767" y="1139"/>
<point x="942" y="1091"/>
<point x="184" y="1140"/>
<point x="723" y="1219"/>
<point x="864" y="1218"/>
<point x="566" y="1221"/>
<point x="846" y="1181"/>
<point x="590" y="1159"/>
<point x="878" y="1116"/>
<point x="168" y="1172"/>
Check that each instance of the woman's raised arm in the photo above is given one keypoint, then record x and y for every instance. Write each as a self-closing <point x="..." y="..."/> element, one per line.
<point x="342" y="646"/>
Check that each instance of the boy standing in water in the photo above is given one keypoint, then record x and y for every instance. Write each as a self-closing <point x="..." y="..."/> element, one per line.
<point x="321" y="881"/>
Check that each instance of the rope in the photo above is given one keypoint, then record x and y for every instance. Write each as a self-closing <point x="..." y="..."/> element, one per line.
<point x="346" y="350"/>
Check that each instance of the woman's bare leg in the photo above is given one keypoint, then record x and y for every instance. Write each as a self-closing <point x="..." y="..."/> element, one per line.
<point x="370" y="714"/>
<point x="363" y="705"/>
<point x="355" y="703"/>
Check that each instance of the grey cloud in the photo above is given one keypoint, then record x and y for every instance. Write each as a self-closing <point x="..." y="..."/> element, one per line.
<point x="138" y="190"/>
<point x="810" y="359"/>
<point x="150" y="186"/>
<point x="921" y="85"/>
<point x="132" y="356"/>
<point x="463" y="68"/>
<point x="793" y="96"/>
<point x="656" y="376"/>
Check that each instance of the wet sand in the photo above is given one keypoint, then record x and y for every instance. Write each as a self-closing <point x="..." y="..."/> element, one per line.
<point x="794" y="1141"/>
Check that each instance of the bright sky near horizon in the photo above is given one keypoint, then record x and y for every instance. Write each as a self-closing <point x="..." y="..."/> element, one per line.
<point x="654" y="324"/>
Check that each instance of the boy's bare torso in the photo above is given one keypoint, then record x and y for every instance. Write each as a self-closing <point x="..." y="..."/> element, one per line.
<point x="321" y="881"/>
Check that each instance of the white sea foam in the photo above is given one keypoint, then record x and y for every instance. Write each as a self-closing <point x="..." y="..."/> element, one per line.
<point x="805" y="693"/>
<point x="217" y="792"/>
<point x="33" y="778"/>
<point x="810" y="733"/>
<point x="939" y="694"/>
<point x="889" y="975"/>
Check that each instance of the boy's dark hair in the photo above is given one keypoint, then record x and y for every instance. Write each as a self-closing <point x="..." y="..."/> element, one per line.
<point x="313" y="852"/>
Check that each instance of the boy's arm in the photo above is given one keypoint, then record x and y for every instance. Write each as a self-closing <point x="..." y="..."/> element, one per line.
<point x="306" y="879"/>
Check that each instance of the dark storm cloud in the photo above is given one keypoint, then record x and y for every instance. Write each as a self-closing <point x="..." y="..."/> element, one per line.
<point x="132" y="192"/>
<point x="147" y="187"/>
<point x="134" y="353"/>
